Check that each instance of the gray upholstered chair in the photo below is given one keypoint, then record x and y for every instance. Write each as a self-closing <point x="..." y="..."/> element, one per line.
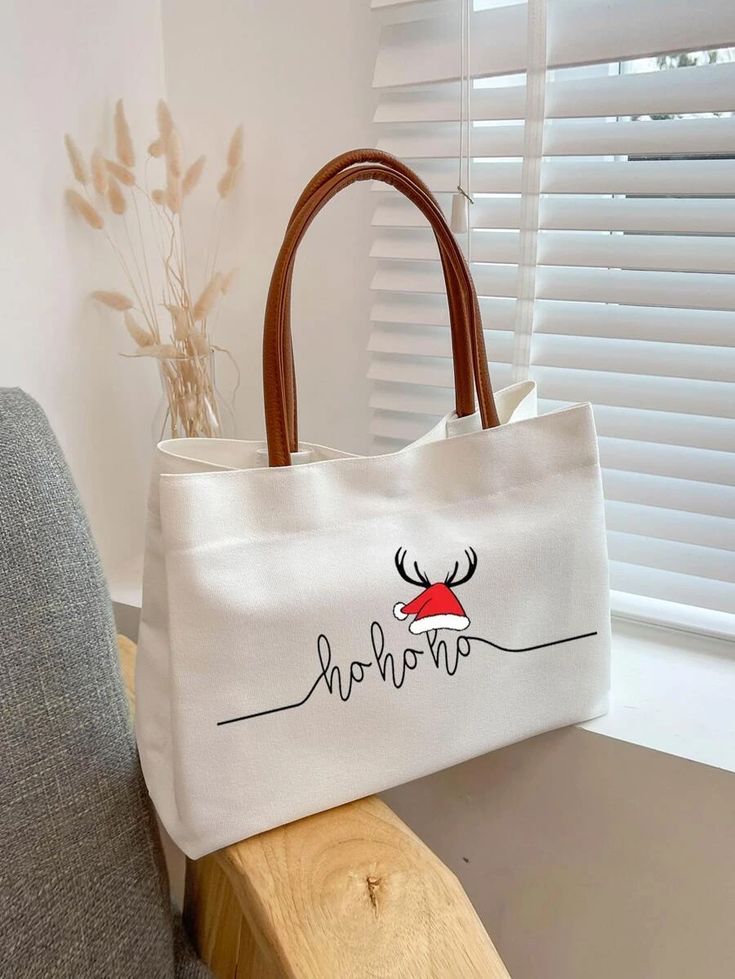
<point x="83" y="890"/>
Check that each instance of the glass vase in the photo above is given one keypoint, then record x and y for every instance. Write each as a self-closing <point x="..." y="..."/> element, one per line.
<point x="191" y="405"/>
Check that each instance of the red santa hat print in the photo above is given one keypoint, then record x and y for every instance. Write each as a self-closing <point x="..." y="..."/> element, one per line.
<point x="437" y="607"/>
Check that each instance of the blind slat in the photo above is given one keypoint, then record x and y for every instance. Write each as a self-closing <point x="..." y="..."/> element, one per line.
<point x="569" y="318"/>
<point x="686" y="528"/>
<point x="579" y="32"/>
<point x="570" y="138"/>
<point x="425" y="372"/>
<point x="689" y="216"/>
<point x="683" y="253"/>
<point x="657" y="177"/>
<point x="649" y="425"/>
<point x="636" y="357"/>
<point x="636" y="391"/>
<point x="696" y="290"/>
<point x="690" y="559"/>
<point x="584" y="353"/>
<point x="683" y="462"/>
<point x="671" y="492"/>
<point x="558" y="383"/>
<point x="435" y="342"/>
<point x="706" y="88"/>
<point x="684" y="589"/>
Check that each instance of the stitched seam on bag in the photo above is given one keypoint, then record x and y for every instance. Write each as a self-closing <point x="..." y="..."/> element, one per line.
<point x="273" y="534"/>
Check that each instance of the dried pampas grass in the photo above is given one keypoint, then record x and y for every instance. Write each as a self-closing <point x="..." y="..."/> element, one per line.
<point x="85" y="210"/>
<point x="78" y="166"/>
<point x="234" y="150"/>
<point x="181" y="321"/>
<point x="99" y="173"/>
<point x="142" y="337"/>
<point x="173" y="193"/>
<point x="227" y="280"/>
<point x="164" y="118"/>
<point x="172" y="149"/>
<point x="207" y="299"/>
<point x="227" y="181"/>
<point x="192" y="175"/>
<point x="151" y="222"/>
<point x="115" y="300"/>
<point x="200" y="344"/>
<point x="123" y="140"/>
<point x="116" y="198"/>
<point x="120" y="173"/>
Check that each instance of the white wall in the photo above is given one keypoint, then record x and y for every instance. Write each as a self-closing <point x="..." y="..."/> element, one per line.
<point x="300" y="82"/>
<point x="62" y="67"/>
<point x="299" y="77"/>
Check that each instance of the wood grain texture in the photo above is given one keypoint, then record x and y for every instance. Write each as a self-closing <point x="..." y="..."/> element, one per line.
<point x="350" y="893"/>
<point x="353" y="893"/>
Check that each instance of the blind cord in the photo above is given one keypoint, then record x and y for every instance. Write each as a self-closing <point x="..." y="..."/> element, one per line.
<point x="460" y="222"/>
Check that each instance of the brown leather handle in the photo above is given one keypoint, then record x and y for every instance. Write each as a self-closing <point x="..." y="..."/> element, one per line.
<point x="339" y="164"/>
<point x="467" y="344"/>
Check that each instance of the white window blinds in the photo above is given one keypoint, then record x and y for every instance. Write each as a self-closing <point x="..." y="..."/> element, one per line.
<point x="633" y="284"/>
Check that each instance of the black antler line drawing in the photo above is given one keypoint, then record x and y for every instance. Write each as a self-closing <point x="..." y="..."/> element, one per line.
<point x="423" y="581"/>
<point x="450" y="580"/>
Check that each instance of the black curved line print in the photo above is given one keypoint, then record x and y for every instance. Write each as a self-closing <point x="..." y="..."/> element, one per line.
<point x="392" y="670"/>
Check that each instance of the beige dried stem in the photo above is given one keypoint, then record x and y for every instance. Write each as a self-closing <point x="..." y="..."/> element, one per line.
<point x="163" y="351"/>
<point x="123" y="140"/>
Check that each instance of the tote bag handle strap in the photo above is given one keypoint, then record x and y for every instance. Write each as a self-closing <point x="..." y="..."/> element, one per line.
<point x="339" y="164"/>
<point x="465" y="329"/>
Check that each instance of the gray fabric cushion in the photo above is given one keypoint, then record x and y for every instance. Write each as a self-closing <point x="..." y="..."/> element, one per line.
<point x="83" y="891"/>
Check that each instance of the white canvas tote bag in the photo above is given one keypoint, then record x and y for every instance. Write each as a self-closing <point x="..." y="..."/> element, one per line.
<point x="317" y="632"/>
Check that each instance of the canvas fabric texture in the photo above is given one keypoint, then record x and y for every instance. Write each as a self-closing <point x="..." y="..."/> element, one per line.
<point x="274" y="679"/>
<point x="83" y="892"/>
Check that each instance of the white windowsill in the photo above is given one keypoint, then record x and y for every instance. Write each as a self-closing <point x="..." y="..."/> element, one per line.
<point x="671" y="691"/>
